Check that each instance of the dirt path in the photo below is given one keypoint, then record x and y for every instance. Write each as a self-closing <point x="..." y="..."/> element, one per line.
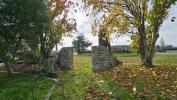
<point x="47" y="97"/>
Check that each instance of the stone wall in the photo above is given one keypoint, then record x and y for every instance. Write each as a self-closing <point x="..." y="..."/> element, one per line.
<point x="65" y="58"/>
<point x="102" y="60"/>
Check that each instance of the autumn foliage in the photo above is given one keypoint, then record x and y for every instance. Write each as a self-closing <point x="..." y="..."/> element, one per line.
<point x="57" y="7"/>
<point x="141" y="18"/>
<point x="148" y="82"/>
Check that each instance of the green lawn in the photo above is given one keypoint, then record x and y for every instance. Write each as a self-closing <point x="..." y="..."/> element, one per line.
<point x="171" y="51"/>
<point x="23" y="87"/>
<point x="81" y="83"/>
<point x="159" y="83"/>
<point x="159" y="59"/>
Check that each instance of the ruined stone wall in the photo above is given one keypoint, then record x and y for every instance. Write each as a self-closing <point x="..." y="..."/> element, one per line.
<point x="65" y="58"/>
<point x="102" y="60"/>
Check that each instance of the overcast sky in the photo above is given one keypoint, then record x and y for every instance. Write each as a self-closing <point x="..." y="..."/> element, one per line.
<point x="168" y="31"/>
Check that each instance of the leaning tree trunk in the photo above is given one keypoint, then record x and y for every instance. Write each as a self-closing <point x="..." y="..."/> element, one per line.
<point x="152" y="47"/>
<point x="9" y="69"/>
<point x="43" y="54"/>
<point x="45" y="50"/>
<point x="7" y="65"/>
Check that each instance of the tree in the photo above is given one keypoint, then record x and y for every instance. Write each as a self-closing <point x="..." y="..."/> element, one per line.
<point x="162" y="45"/>
<point x="104" y="41"/>
<point x="58" y="25"/>
<point x="80" y="44"/>
<point x="17" y="22"/>
<point x="141" y="18"/>
<point x="169" y="46"/>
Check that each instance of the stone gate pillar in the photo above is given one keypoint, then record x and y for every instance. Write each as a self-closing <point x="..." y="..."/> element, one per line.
<point x="65" y="58"/>
<point x="102" y="60"/>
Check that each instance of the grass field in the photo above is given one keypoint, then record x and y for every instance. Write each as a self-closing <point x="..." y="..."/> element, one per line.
<point x="171" y="51"/>
<point x="82" y="84"/>
<point x="23" y="87"/>
<point x="159" y="59"/>
<point x="159" y="83"/>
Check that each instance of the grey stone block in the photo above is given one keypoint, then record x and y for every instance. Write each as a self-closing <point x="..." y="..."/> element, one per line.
<point x="102" y="60"/>
<point x="65" y="58"/>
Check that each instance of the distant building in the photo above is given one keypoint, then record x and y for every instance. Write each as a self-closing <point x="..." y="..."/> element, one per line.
<point x="121" y="48"/>
<point x="167" y="48"/>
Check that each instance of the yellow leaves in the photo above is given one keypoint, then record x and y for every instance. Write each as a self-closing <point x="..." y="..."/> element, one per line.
<point x="175" y="82"/>
<point x="154" y="73"/>
<point x="113" y="18"/>
<point x="120" y="16"/>
<point x="161" y="2"/>
<point x="135" y="42"/>
<point x="94" y="29"/>
<point x="56" y="7"/>
<point x="92" y="92"/>
<point x="166" y="77"/>
<point x="134" y="90"/>
<point x="160" y="79"/>
<point x="101" y="81"/>
<point x="140" y="69"/>
<point x="110" y="93"/>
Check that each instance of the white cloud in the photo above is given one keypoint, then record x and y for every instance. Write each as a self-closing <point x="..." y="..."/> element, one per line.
<point x="168" y="31"/>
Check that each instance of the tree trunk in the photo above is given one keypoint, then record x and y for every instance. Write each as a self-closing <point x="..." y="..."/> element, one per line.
<point x="145" y="57"/>
<point x="146" y="60"/>
<point x="9" y="69"/>
<point x="143" y="48"/>
<point x="43" y="53"/>
<point x="152" y="49"/>
<point x="149" y="62"/>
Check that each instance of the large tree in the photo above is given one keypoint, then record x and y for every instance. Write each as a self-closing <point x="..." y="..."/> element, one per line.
<point x="81" y="44"/>
<point x="18" y="21"/>
<point x="141" y="18"/>
<point x="162" y="45"/>
<point x="59" y="24"/>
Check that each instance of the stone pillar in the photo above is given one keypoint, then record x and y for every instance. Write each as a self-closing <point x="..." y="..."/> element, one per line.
<point x="102" y="60"/>
<point x="65" y="58"/>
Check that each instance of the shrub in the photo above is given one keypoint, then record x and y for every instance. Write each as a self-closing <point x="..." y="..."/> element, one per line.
<point x="49" y="68"/>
